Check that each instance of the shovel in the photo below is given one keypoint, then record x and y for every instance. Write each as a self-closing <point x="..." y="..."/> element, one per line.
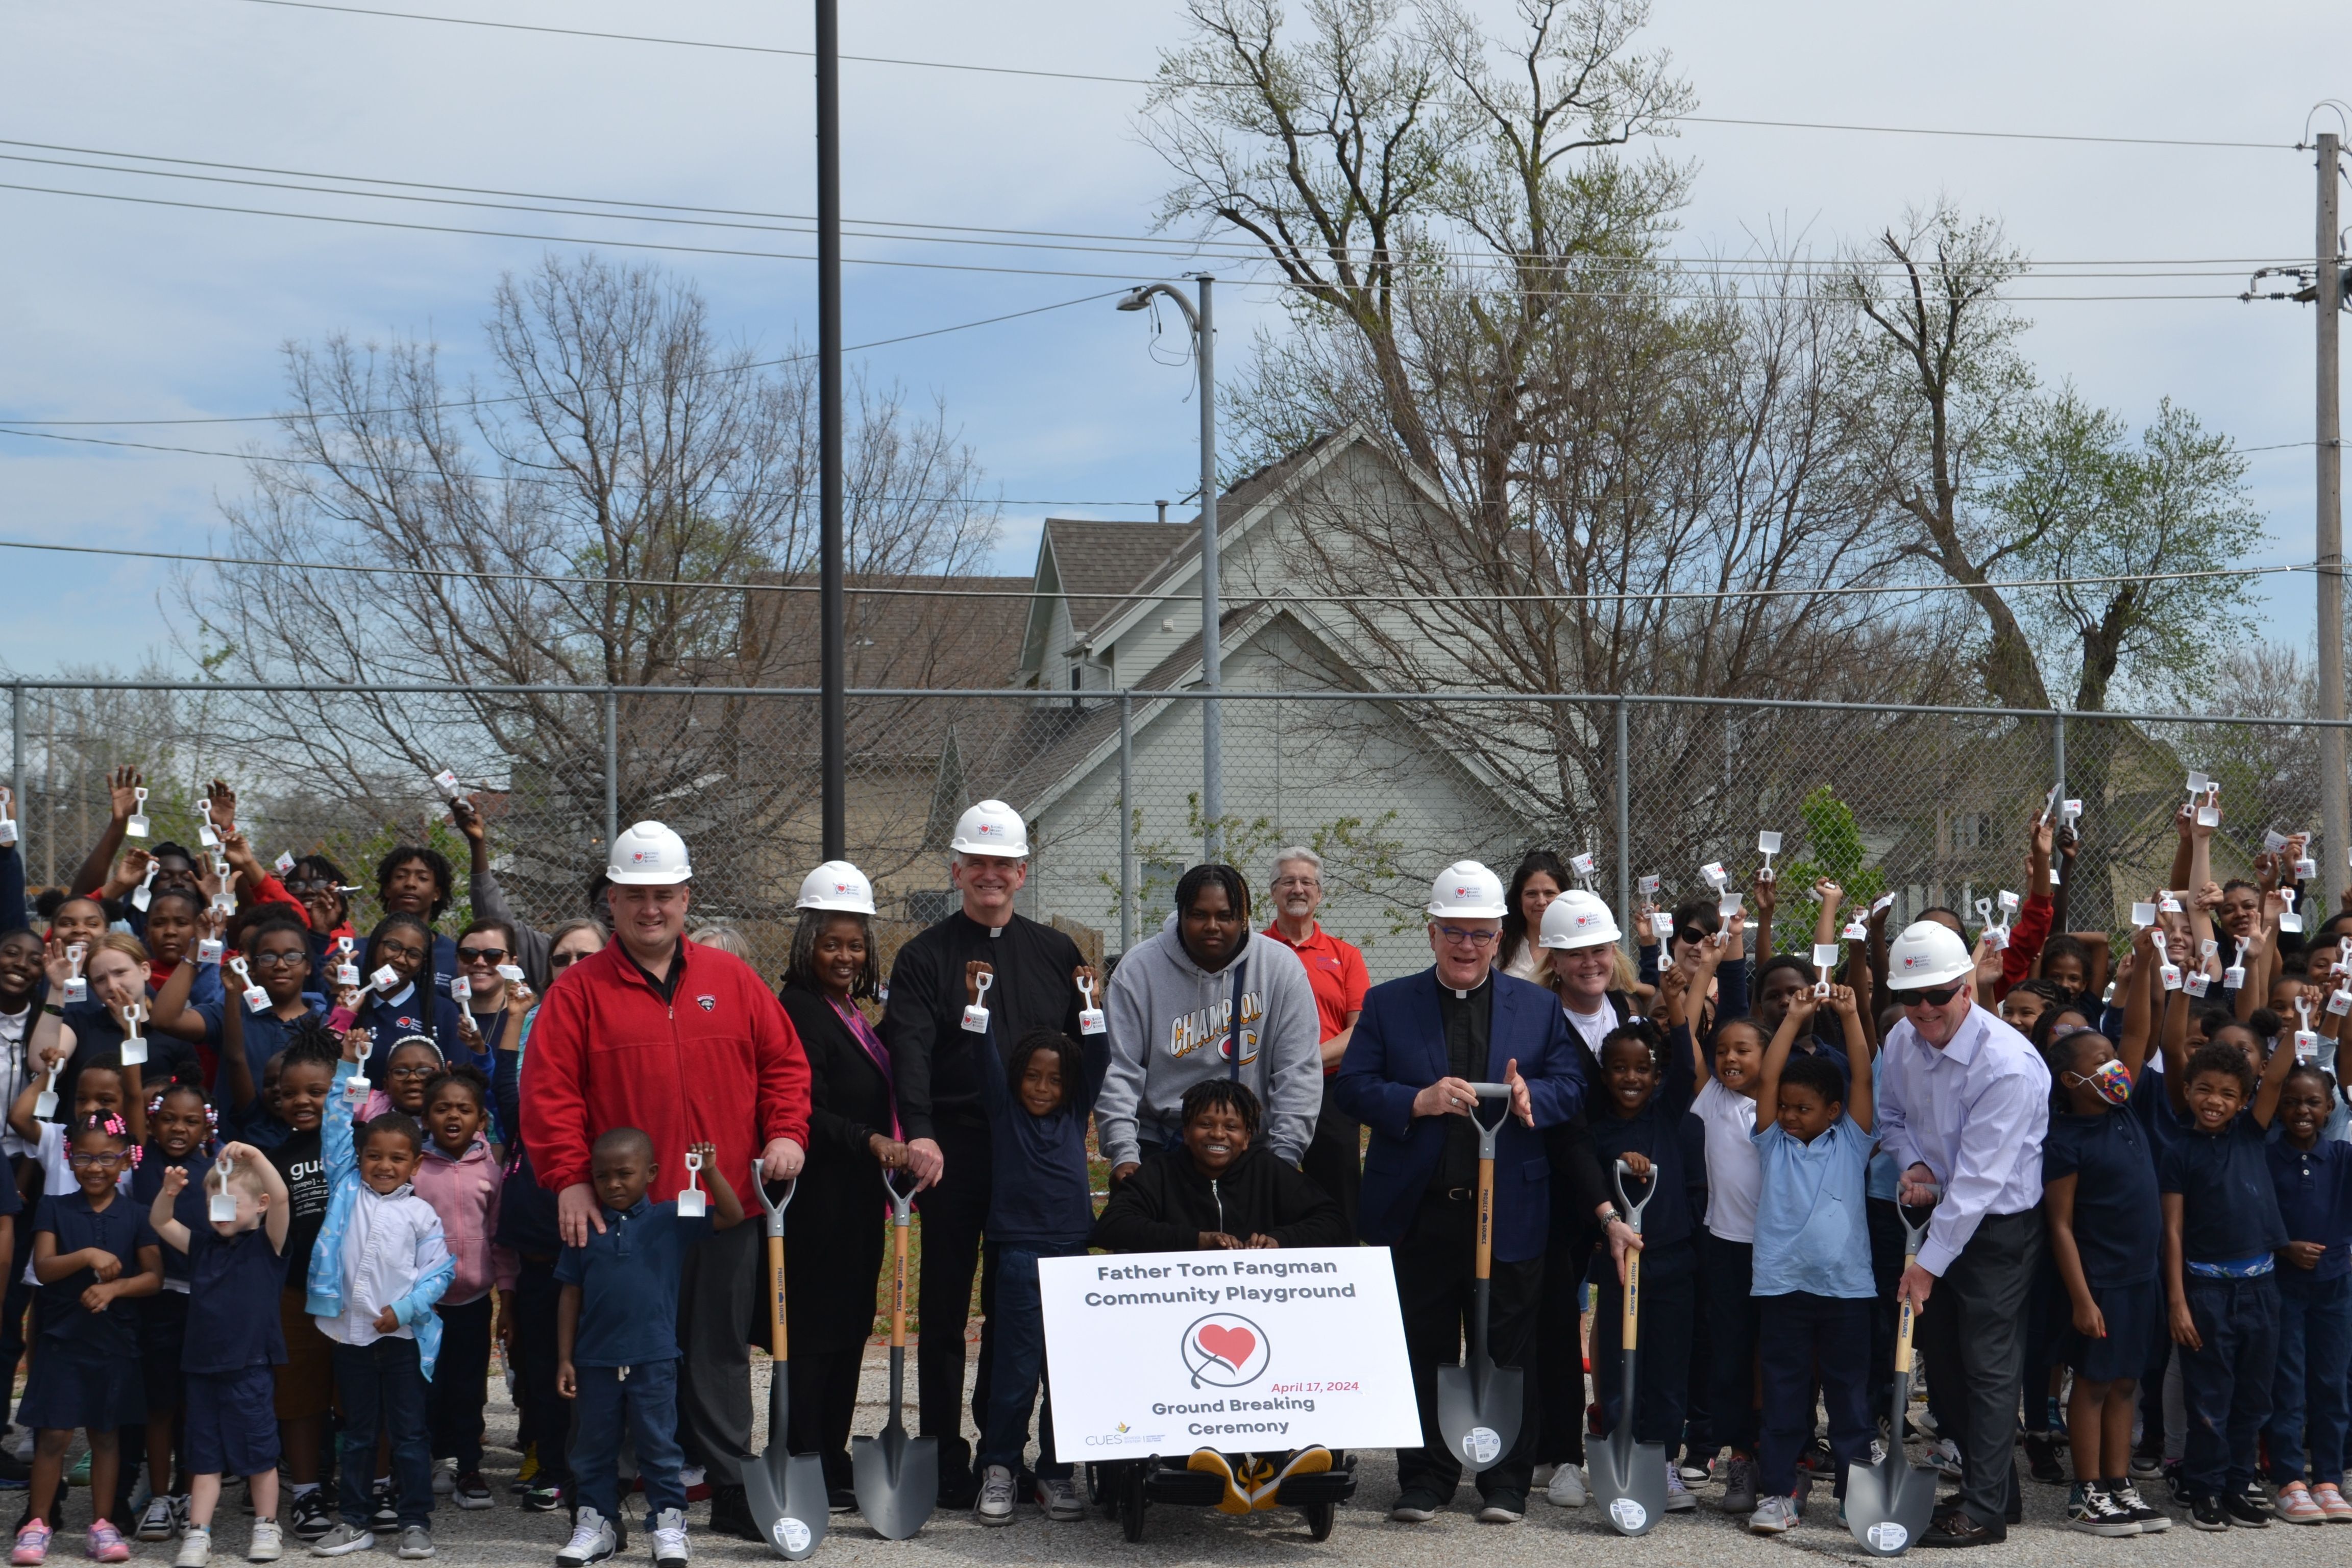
<point x="1478" y="1405"/>
<point x="786" y="1491"/>
<point x="897" y="1477"/>
<point x="1629" y="1478"/>
<point x="1889" y="1503"/>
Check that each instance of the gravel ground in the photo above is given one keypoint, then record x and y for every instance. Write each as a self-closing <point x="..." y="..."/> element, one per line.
<point x="505" y="1535"/>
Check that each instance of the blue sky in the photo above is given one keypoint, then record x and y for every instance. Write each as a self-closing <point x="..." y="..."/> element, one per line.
<point x="117" y="312"/>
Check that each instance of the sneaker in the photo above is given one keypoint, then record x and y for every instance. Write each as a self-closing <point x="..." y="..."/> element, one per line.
<point x="697" y="1482"/>
<point x="2332" y="1506"/>
<point x="1567" y="1487"/>
<point x="1944" y="1456"/>
<point x="415" y="1542"/>
<point x="268" y="1542"/>
<point x="2042" y="1459"/>
<point x="1314" y="1460"/>
<point x="344" y="1539"/>
<point x="2295" y="1505"/>
<point x="470" y="1491"/>
<point x="106" y="1543"/>
<point x="2205" y="1512"/>
<point x="525" y="1471"/>
<point x="1209" y="1462"/>
<point x="1739" y="1485"/>
<point x="2243" y="1512"/>
<point x="1412" y="1507"/>
<point x="155" y="1523"/>
<point x="1678" y="1496"/>
<point x="1060" y="1499"/>
<point x="995" y="1505"/>
<point x="309" y="1520"/>
<point x="196" y="1548"/>
<point x="668" y="1529"/>
<point x="444" y="1477"/>
<point x="32" y="1544"/>
<point x="2146" y="1464"/>
<point x="384" y="1513"/>
<point x="542" y="1496"/>
<point x="1692" y="1474"/>
<point x="2151" y="1520"/>
<point x="1773" y="1516"/>
<point x="592" y="1541"/>
<point x="2175" y="1477"/>
<point x="1501" y="1507"/>
<point x="2092" y="1512"/>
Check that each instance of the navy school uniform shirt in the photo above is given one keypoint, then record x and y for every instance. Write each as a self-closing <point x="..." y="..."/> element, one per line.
<point x="265" y="1033"/>
<point x="1040" y="1195"/>
<point x="2118" y="1218"/>
<point x="2230" y="1212"/>
<point x="628" y="1284"/>
<point x="1668" y="1135"/>
<point x="2315" y="1199"/>
<point x="392" y="1019"/>
<point x="234" y="1283"/>
<point x="121" y="1229"/>
<point x="188" y="1208"/>
<point x="526" y="1209"/>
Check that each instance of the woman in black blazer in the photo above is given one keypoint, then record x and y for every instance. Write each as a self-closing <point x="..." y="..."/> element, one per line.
<point x="834" y="1235"/>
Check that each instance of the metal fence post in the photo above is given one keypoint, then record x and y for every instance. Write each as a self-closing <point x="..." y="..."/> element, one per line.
<point x="612" y="768"/>
<point x="2058" y="749"/>
<point x="1624" y="833"/>
<point x="1125" y="823"/>
<point x="16" y="750"/>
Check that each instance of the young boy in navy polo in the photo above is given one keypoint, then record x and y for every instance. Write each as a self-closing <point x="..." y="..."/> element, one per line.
<point x="617" y="1338"/>
<point x="235" y="1269"/>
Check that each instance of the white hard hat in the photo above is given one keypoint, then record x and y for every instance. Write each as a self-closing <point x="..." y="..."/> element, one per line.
<point x="648" y="853"/>
<point x="992" y="828"/>
<point x="1468" y="890"/>
<point x="1577" y="919"/>
<point x="1929" y="952"/>
<point x="837" y="885"/>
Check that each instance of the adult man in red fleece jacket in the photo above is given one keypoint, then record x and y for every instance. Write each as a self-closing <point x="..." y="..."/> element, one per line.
<point x="685" y="1043"/>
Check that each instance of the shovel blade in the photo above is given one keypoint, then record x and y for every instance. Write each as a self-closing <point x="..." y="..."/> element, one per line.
<point x="898" y="1480"/>
<point x="1477" y="1430"/>
<point x="787" y="1495"/>
<point x="1888" y="1505"/>
<point x="1629" y="1479"/>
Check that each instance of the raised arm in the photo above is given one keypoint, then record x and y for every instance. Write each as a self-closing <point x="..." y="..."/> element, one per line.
<point x="1776" y="1056"/>
<point x="2139" y="1011"/>
<point x="1858" y="1103"/>
<point x="2274" y="1079"/>
<point x="162" y="1215"/>
<point x="92" y="871"/>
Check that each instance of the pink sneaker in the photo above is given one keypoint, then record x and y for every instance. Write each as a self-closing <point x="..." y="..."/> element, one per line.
<point x="2331" y="1503"/>
<point x="32" y="1544"/>
<point x="2293" y="1504"/>
<point x="106" y="1543"/>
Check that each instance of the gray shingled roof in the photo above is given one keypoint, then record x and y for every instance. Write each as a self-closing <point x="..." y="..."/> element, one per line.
<point x="1108" y="558"/>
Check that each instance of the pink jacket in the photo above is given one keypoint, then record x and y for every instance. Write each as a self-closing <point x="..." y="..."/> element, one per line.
<point x="465" y="1193"/>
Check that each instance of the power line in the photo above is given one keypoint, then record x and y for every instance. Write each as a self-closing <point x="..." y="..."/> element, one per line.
<point x="1821" y="590"/>
<point x="1166" y="81"/>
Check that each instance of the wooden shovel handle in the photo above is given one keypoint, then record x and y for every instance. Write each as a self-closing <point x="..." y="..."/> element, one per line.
<point x="776" y="1344"/>
<point x="898" y="1286"/>
<point x="1485" y="1219"/>
<point x="1630" y="1327"/>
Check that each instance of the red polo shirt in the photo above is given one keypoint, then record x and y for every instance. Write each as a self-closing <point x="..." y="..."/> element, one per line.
<point x="1336" y="970"/>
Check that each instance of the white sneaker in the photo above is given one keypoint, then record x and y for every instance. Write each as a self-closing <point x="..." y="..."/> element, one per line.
<point x="668" y="1531"/>
<point x="1678" y="1496"/>
<point x="592" y="1541"/>
<point x="1059" y="1497"/>
<point x="995" y="1505"/>
<point x="444" y="1477"/>
<point x="1944" y="1454"/>
<point x="196" y="1548"/>
<point x="1773" y="1515"/>
<point x="156" y="1522"/>
<point x="1567" y="1487"/>
<point x="268" y="1542"/>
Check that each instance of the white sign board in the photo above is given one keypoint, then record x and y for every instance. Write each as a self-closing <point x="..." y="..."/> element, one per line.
<point x="1165" y="1353"/>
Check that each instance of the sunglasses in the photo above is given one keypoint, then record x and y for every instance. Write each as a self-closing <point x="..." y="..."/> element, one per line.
<point x="1932" y="996"/>
<point x="482" y="954"/>
<point x="563" y="960"/>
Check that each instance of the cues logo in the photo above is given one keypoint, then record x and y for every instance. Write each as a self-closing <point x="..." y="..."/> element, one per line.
<point x="1225" y="1350"/>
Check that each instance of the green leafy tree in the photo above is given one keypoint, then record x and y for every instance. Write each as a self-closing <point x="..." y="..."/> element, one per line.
<point x="1833" y="848"/>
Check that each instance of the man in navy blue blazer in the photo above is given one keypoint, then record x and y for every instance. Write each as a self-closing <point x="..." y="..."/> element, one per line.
<point x="1419" y="1046"/>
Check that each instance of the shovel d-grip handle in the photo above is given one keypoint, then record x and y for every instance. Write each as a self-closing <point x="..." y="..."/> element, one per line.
<point x="778" y="1347"/>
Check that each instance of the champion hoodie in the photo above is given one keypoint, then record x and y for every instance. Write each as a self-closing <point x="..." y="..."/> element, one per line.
<point x="1171" y="1026"/>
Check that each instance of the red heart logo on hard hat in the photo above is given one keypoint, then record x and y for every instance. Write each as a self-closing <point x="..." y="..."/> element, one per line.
<point x="1230" y="1345"/>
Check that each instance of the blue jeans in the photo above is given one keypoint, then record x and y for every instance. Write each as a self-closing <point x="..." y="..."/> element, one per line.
<point x="383" y="1385"/>
<point x="1019" y="1370"/>
<point x="647" y="1397"/>
<point x="1804" y="1338"/>
<point x="2227" y="1382"/>
<point x="2315" y="1359"/>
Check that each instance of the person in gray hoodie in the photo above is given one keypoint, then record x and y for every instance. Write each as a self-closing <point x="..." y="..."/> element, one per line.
<point x="1172" y="1006"/>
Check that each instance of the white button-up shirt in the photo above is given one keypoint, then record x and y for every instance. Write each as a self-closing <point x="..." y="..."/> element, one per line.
<point x="1974" y="1113"/>
<point x="390" y="1241"/>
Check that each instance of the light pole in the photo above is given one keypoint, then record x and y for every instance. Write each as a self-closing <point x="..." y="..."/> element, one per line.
<point x="1211" y="677"/>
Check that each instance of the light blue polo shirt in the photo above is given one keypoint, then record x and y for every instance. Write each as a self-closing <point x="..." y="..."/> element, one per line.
<point x="1812" y="1232"/>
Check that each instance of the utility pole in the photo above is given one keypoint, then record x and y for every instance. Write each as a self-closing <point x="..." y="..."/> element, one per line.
<point x="832" y="600"/>
<point x="2336" y="821"/>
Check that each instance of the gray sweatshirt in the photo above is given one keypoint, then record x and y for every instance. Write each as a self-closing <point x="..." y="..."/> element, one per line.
<point x="1167" y="1017"/>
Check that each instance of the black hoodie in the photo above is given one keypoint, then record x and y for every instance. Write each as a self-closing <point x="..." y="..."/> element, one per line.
<point x="1166" y="1204"/>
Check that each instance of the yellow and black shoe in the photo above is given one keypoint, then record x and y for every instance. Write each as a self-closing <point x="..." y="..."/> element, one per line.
<point x="1312" y="1460"/>
<point x="1208" y="1461"/>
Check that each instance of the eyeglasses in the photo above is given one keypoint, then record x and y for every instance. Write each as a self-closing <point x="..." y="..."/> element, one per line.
<point x="308" y="884"/>
<point x="93" y="1161"/>
<point x="482" y="954"/>
<point x="278" y="960"/>
<point x="1460" y="938"/>
<point x="399" y="949"/>
<point x="1933" y="997"/>
<point x="416" y="1070"/>
<point x="1307" y="882"/>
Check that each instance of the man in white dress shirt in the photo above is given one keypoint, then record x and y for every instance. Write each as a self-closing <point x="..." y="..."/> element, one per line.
<point x="1963" y="1104"/>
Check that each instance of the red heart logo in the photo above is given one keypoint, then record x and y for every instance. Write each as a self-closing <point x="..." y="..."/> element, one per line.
<point x="1231" y="1346"/>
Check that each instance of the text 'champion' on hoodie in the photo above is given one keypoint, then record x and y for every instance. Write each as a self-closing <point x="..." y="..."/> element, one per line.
<point x="1171" y="1026"/>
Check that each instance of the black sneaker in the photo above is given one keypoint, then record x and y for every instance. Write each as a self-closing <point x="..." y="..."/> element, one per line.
<point x="542" y="1496"/>
<point x="308" y="1518"/>
<point x="384" y="1514"/>
<point x="1415" y="1505"/>
<point x="2151" y="1520"/>
<point x="2205" y="1512"/>
<point x="2244" y="1512"/>
<point x="2092" y="1512"/>
<point x="2042" y="1459"/>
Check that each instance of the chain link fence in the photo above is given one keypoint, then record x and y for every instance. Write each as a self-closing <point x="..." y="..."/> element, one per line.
<point x="1931" y="804"/>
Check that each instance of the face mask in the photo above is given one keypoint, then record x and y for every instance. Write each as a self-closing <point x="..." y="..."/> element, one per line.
<point x="2110" y="1081"/>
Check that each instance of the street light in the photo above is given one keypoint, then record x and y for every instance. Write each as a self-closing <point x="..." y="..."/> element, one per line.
<point x="1211" y="677"/>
